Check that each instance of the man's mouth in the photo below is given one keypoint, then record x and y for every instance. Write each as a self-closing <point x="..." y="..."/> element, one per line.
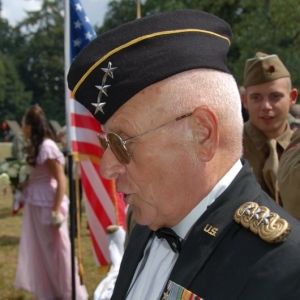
<point x="267" y="118"/>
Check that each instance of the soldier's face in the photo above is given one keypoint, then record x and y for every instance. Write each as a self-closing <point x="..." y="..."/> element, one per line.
<point x="268" y="105"/>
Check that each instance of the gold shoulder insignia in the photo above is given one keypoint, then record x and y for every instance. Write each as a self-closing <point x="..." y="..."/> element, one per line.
<point x="267" y="225"/>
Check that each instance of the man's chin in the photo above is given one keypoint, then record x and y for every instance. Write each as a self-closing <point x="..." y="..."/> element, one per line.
<point x="139" y="219"/>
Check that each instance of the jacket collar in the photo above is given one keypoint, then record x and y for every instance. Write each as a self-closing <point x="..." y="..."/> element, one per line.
<point x="259" y="138"/>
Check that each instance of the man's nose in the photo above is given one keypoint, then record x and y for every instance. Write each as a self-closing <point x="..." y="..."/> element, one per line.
<point x="110" y="167"/>
<point x="266" y="103"/>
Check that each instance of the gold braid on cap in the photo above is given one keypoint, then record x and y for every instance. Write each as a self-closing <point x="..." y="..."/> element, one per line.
<point x="267" y="225"/>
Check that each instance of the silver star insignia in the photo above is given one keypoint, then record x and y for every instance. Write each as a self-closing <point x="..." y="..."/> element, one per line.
<point x="99" y="107"/>
<point x="256" y="214"/>
<point x="102" y="90"/>
<point x="247" y="211"/>
<point x="109" y="70"/>
<point x="265" y="219"/>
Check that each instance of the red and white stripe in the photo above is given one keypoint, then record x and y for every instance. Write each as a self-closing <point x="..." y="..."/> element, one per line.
<point x="103" y="205"/>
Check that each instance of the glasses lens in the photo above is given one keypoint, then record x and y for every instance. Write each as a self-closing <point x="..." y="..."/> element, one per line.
<point x="118" y="148"/>
<point x="103" y="142"/>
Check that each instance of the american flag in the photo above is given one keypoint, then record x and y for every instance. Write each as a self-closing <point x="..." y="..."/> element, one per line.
<point x="103" y="205"/>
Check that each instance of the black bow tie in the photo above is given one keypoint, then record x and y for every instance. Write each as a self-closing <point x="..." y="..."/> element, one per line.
<point x="171" y="237"/>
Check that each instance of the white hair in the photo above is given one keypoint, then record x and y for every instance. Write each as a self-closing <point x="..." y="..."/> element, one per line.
<point x="219" y="91"/>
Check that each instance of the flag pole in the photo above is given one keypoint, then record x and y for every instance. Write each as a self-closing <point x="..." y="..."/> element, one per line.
<point x="67" y="55"/>
<point x="138" y="9"/>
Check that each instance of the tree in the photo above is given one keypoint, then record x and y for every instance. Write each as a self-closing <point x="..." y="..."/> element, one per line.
<point x="13" y="99"/>
<point x="271" y="27"/>
<point x="119" y="12"/>
<point x="40" y="60"/>
<point x="266" y="26"/>
<point x="9" y="38"/>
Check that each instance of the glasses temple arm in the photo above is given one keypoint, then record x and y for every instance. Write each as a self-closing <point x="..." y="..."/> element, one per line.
<point x="156" y="128"/>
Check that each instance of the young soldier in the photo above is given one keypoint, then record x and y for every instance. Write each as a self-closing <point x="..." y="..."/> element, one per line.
<point x="268" y="97"/>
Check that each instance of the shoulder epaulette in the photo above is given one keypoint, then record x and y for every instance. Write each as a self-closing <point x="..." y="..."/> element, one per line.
<point x="267" y="225"/>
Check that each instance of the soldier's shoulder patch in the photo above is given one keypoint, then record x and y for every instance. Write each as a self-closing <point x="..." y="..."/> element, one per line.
<point x="261" y="221"/>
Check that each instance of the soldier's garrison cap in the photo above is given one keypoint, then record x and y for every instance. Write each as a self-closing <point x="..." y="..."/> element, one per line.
<point x="118" y="64"/>
<point x="263" y="68"/>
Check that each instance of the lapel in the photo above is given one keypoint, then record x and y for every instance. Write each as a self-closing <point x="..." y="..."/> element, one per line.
<point x="211" y="227"/>
<point x="132" y="256"/>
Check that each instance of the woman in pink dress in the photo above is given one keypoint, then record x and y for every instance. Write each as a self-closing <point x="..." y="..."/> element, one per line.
<point x="44" y="261"/>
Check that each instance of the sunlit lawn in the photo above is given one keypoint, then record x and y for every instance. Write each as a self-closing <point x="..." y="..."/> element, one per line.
<point x="10" y="227"/>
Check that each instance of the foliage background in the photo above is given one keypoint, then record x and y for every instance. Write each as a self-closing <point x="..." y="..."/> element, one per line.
<point x="32" y="54"/>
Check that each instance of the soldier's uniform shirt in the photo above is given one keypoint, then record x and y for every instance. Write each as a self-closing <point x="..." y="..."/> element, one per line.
<point x="289" y="176"/>
<point x="256" y="151"/>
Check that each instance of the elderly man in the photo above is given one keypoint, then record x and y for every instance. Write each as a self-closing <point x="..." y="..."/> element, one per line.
<point x="172" y="113"/>
<point x="268" y="97"/>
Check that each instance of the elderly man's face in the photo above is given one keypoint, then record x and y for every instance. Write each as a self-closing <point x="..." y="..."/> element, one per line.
<point x="157" y="181"/>
<point x="268" y="105"/>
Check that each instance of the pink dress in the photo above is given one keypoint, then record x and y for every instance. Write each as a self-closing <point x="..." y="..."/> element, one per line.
<point x="44" y="261"/>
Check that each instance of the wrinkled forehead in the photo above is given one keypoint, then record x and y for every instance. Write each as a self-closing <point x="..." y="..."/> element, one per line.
<point x="144" y="108"/>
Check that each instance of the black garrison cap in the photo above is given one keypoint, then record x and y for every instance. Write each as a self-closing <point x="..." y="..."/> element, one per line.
<point x="118" y="64"/>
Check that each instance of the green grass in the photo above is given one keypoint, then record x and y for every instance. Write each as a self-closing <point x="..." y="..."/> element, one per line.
<point x="10" y="228"/>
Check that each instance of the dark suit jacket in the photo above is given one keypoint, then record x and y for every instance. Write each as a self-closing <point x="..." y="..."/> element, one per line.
<point x="234" y="264"/>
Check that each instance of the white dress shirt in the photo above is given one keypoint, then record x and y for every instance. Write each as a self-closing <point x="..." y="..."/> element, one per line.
<point x="152" y="279"/>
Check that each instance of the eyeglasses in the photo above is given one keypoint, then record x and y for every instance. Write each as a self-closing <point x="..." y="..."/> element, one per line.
<point x="118" y="146"/>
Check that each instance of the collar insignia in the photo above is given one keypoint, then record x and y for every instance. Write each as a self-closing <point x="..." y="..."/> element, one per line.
<point x="267" y="225"/>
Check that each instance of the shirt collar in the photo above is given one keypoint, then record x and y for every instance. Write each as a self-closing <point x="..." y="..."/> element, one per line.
<point x="260" y="139"/>
<point x="185" y="225"/>
<point x="284" y="139"/>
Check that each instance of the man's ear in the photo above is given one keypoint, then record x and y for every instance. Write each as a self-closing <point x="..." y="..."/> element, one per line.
<point x="293" y="96"/>
<point x="207" y="132"/>
<point x="244" y="100"/>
